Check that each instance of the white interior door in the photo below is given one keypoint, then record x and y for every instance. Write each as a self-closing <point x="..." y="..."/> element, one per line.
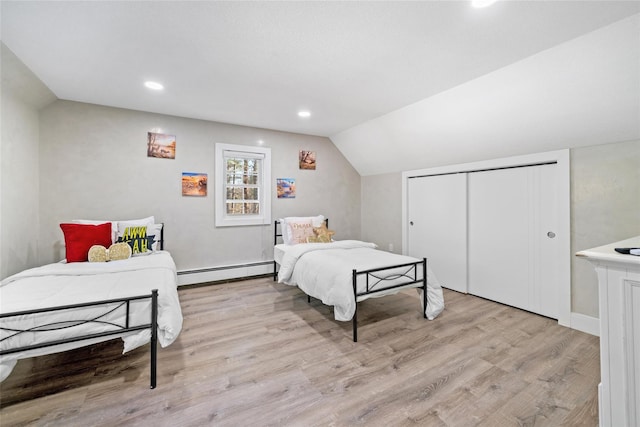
<point x="437" y="226"/>
<point x="512" y="252"/>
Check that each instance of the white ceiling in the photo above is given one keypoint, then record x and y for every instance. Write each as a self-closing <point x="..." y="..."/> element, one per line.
<point x="258" y="63"/>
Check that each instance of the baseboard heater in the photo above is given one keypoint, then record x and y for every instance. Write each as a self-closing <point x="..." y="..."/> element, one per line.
<point x="224" y="272"/>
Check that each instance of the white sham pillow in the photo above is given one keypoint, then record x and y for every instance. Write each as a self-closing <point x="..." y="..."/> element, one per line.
<point x="294" y="228"/>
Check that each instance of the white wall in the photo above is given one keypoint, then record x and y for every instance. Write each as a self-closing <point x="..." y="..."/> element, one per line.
<point x="22" y="95"/>
<point x="93" y="164"/>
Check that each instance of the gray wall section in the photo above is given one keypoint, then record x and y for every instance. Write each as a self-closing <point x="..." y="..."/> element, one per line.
<point x="382" y="210"/>
<point x="94" y="165"/>
<point x="19" y="186"/>
<point x="22" y="96"/>
<point x="605" y="207"/>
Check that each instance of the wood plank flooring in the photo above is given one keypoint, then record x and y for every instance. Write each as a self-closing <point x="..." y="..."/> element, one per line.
<point x="255" y="353"/>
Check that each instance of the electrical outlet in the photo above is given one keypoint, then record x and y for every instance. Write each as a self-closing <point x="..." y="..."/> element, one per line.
<point x="390" y="247"/>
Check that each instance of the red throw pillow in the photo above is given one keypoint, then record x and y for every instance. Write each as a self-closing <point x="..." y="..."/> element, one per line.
<point x="78" y="239"/>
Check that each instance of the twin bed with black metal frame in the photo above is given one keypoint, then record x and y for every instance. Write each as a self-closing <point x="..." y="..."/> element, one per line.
<point x="107" y="304"/>
<point x="378" y="273"/>
<point x="52" y="329"/>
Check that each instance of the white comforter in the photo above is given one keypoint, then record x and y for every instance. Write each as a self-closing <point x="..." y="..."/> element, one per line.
<point x="61" y="284"/>
<point x="324" y="271"/>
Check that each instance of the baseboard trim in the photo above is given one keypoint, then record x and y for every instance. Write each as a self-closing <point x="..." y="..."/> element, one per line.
<point x="225" y="272"/>
<point x="584" y="323"/>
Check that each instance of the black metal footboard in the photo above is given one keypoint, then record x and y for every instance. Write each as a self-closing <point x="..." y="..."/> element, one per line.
<point x="120" y="303"/>
<point x="376" y="279"/>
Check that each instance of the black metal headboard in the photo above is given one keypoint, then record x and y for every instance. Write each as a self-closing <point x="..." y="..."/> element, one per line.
<point x="161" y="242"/>
<point x="276" y="223"/>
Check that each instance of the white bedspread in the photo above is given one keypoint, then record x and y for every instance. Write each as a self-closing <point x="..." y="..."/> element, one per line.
<point x="72" y="283"/>
<point x="324" y="271"/>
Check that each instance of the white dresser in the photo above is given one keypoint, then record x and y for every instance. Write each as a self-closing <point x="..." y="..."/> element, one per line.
<point x="619" y="287"/>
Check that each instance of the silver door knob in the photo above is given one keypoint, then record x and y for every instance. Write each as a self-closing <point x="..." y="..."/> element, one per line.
<point x="410" y="222"/>
<point x="551" y="234"/>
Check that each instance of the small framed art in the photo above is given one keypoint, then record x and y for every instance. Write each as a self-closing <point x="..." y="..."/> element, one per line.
<point x="307" y="160"/>
<point x="194" y="184"/>
<point x="161" y="145"/>
<point x="286" y="188"/>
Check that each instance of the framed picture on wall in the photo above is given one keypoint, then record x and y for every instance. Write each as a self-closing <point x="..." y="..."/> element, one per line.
<point x="286" y="188"/>
<point x="161" y="145"/>
<point x="307" y="160"/>
<point x="194" y="184"/>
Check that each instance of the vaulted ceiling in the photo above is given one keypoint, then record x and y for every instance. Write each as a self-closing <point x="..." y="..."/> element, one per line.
<point x="379" y="78"/>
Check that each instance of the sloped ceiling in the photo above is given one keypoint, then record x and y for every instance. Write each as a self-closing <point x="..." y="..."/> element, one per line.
<point x="583" y="92"/>
<point x="395" y="85"/>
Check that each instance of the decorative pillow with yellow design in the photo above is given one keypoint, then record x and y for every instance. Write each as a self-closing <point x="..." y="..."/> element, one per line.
<point x="135" y="233"/>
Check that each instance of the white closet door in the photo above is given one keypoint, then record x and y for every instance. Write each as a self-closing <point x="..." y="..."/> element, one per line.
<point x="437" y="226"/>
<point x="512" y="260"/>
<point x="545" y="292"/>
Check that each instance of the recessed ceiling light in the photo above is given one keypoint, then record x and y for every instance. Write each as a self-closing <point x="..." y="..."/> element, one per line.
<point x="482" y="3"/>
<point x="304" y="113"/>
<point x="153" y="85"/>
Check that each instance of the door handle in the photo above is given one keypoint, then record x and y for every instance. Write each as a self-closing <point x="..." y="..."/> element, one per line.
<point x="551" y="234"/>
<point x="410" y="222"/>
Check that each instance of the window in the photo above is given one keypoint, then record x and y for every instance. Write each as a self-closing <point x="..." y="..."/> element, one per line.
<point x="243" y="185"/>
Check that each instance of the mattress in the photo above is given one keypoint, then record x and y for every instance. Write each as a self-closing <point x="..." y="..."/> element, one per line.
<point x="279" y="251"/>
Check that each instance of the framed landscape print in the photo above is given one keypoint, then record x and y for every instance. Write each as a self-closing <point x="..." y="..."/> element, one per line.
<point x="161" y="145"/>
<point x="307" y="160"/>
<point x="194" y="184"/>
<point x="286" y="188"/>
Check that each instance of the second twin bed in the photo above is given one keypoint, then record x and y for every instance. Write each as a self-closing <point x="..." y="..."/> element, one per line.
<point x="344" y="272"/>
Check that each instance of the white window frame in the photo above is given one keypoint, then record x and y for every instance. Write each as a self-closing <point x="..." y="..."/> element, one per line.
<point x="221" y="217"/>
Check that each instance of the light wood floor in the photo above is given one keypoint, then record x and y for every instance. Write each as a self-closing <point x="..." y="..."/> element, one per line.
<point x="255" y="353"/>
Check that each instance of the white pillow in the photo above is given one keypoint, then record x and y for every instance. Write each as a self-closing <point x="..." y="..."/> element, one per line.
<point x="292" y="228"/>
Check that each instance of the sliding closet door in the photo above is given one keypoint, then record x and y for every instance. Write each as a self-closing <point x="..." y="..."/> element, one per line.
<point x="437" y="226"/>
<point x="545" y="294"/>
<point x="513" y="251"/>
